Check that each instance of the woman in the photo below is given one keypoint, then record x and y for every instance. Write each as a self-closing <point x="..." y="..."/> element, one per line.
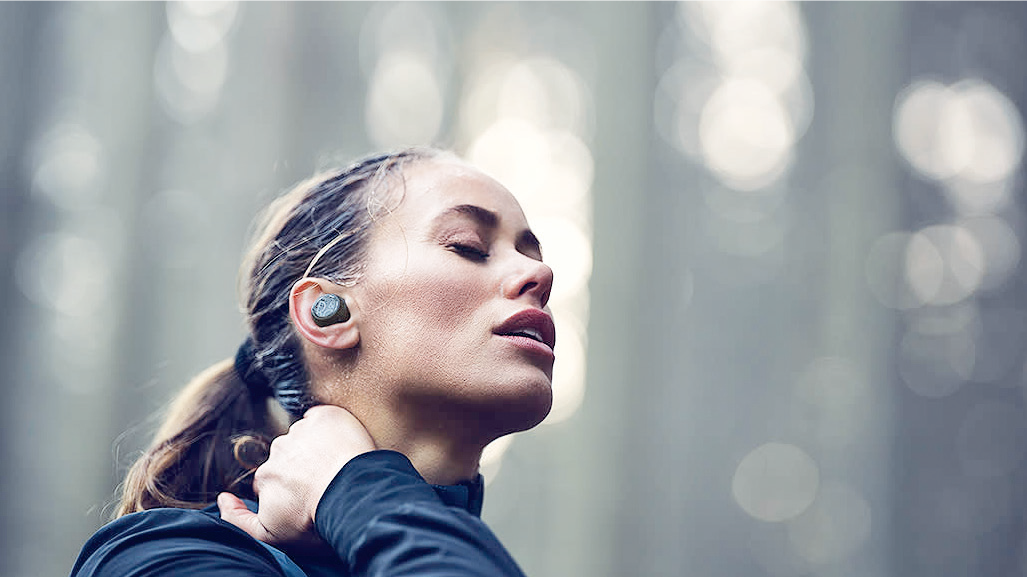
<point x="400" y="305"/>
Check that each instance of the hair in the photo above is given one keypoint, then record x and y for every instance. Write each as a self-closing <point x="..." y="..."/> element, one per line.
<point x="218" y="429"/>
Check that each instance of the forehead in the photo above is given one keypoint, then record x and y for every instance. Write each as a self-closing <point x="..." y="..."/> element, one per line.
<point x="433" y="187"/>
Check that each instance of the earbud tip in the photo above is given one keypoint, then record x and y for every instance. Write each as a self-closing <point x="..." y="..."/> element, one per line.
<point x="329" y="309"/>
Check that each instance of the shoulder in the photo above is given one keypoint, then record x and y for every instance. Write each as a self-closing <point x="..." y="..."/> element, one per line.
<point x="175" y="541"/>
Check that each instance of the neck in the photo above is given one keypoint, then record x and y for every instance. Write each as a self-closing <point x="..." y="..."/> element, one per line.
<point x="416" y="427"/>
<point x="435" y="455"/>
<point x="439" y="465"/>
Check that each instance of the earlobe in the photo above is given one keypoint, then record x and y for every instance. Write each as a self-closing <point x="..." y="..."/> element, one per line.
<point x="321" y="316"/>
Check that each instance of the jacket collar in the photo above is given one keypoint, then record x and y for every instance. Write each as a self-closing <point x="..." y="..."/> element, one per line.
<point x="467" y="495"/>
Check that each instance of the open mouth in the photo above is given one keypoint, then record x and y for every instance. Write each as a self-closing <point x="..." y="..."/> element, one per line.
<point x="533" y="324"/>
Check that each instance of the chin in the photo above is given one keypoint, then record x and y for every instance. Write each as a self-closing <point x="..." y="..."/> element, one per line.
<point x="523" y="411"/>
<point x="487" y="408"/>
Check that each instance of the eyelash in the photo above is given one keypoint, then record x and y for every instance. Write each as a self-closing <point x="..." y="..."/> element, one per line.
<point x="471" y="252"/>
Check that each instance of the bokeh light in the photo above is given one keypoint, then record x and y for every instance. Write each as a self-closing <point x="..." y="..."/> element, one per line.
<point x="835" y="527"/>
<point x="999" y="246"/>
<point x="770" y="548"/>
<point x="766" y="40"/>
<point x="404" y="101"/>
<point x="403" y="55"/>
<point x="681" y="93"/>
<point x="834" y="393"/>
<point x="188" y="83"/>
<point x="200" y="26"/>
<point x="935" y="363"/>
<point x="548" y="171"/>
<point x="968" y="129"/>
<point x="775" y="482"/>
<point x="944" y="264"/>
<point x="65" y="273"/>
<point x="746" y="135"/>
<point x="964" y="139"/>
<point x="404" y="27"/>
<point x="541" y="92"/>
<point x="69" y="167"/>
<point x="192" y="60"/>
<point x="745" y="109"/>
<point x="544" y="92"/>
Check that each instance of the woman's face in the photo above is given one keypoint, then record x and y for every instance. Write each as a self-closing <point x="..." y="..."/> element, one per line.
<point x="452" y="304"/>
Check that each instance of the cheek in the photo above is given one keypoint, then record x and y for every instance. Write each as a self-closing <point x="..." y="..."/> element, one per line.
<point x="433" y="305"/>
<point x="450" y="304"/>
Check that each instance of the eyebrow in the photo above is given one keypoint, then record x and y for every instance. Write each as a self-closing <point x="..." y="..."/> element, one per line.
<point x="490" y="220"/>
<point x="483" y="216"/>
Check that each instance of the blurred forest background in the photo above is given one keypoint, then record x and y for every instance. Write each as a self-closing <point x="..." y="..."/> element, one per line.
<point x="787" y="240"/>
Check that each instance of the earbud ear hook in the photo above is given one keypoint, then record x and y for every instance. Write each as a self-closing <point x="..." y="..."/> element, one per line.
<point x="329" y="309"/>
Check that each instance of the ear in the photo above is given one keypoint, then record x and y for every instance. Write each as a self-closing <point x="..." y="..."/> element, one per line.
<point x="304" y="294"/>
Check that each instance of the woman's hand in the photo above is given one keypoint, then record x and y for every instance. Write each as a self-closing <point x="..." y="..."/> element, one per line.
<point x="301" y="465"/>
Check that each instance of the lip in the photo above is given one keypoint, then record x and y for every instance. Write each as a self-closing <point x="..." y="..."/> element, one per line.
<point x="529" y="319"/>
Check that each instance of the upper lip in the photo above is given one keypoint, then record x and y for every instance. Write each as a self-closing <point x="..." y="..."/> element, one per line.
<point x="534" y="320"/>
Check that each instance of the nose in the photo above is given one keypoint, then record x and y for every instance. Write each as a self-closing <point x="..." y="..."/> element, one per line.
<point x="532" y="278"/>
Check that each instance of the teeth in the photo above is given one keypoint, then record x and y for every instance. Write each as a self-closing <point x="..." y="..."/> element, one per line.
<point x="530" y="333"/>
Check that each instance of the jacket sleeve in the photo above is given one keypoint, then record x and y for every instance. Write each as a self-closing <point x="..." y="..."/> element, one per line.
<point x="382" y="518"/>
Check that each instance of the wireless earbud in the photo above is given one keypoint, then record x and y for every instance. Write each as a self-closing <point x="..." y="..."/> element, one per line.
<point x="329" y="309"/>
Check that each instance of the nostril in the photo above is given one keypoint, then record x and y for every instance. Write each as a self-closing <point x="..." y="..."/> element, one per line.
<point x="528" y="286"/>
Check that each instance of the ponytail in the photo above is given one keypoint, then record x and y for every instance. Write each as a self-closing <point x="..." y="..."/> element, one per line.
<point x="219" y="428"/>
<point x="216" y="433"/>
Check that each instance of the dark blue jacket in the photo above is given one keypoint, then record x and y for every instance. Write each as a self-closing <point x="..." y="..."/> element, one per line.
<point x="378" y="516"/>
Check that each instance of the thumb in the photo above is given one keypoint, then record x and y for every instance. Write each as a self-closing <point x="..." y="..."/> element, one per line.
<point x="235" y="512"/>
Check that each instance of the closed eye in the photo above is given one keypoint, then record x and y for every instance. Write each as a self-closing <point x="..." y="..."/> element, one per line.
<point x="469" y="252"/>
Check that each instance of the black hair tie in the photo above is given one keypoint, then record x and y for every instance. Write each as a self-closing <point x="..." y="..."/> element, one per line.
<point x="248" y="370"/>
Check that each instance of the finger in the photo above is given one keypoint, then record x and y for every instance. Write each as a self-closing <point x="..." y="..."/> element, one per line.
<point x="315" y="410"/>
<point x="325" y="411"/>
<point x="235" y="512"/>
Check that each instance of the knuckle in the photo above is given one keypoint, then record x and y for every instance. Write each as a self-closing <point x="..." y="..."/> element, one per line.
<point x="277" y="442"/>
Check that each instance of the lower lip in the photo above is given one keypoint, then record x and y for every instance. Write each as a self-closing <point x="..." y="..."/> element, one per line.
<point x="529" y="345"/>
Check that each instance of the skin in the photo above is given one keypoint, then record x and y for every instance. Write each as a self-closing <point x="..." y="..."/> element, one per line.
<point x="419" y="368"/>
